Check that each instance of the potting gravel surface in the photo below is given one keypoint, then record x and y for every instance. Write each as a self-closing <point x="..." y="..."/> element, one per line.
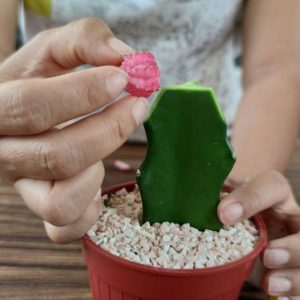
<point x="166" y="245"/>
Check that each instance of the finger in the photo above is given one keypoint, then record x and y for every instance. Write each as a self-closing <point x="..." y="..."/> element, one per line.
<point x="283" y="282"/>
<point x="269" y="189"/>
<point x="62" y="202"/>
<point x="283" y="253"/>
<point x="66" y="234"/>
<point x="36" y="105"/>
<point x="63" y="153"/>
<point x="87" y="41"/>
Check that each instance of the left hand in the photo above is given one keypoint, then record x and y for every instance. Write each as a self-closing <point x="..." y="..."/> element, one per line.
<point x="270" y="194"/>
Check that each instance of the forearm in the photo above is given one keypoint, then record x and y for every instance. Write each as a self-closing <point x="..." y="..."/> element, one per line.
<point x="267" y="121"/>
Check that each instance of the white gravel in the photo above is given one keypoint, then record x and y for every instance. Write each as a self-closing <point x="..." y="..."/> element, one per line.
<point x="166" y="245"/>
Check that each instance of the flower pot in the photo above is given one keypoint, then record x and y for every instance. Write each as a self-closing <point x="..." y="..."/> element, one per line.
<point x="114" y="278"/>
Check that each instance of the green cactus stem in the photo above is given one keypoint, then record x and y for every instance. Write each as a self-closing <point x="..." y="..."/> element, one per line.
<point x="188" y="157"/>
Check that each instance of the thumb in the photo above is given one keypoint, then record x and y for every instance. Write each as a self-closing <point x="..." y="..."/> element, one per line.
<point x="269" y="189"/>
<point x="87" y="41"/>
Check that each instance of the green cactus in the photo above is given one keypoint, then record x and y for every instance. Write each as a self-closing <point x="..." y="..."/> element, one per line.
<point x="188" y="157"/>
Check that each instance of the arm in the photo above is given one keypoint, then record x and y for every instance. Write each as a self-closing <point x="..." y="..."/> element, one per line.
<point x="264" y="135"/>
<point x="266" y="126"/>
<point x="8" y="27"/>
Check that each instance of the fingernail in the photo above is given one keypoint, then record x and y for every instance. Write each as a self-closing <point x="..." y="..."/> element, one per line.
<point x="231" y="213"/>
<point x="98" y="199"/>
<point x="276" y="257"/>
<point x="98" y="194"/>
<point x="116" y="83"/>
<point x="139" y="110"/>
<point x="282" y="298"/>
<point x="119" y="46"/>
<point x="279" y="285"/>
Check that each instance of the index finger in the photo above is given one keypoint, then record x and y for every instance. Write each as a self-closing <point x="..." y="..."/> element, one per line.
<point x="269" y="189"/>
<point x="33" y="106"/>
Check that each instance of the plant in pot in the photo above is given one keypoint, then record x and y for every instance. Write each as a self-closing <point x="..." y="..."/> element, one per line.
<point x="180" y="180"/>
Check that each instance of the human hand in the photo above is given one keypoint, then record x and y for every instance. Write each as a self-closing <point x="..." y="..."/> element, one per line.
<point x="58" y="172"/>
<point x="270" y="194"/>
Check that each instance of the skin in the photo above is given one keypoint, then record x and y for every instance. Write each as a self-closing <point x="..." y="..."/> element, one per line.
<point x="58" y="172"/>
<point x="271" y="75"/>
<point x="264" y="135"/>
<point x="270" y="194"/>
<point x="269" y="105"/>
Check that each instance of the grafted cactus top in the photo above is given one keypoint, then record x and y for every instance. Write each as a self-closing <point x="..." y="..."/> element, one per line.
<point x="143" y="73"/>
<point x="188" y="157"/>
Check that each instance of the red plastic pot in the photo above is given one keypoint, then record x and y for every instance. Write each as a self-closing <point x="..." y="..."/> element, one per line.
<point x="114" y="278"/>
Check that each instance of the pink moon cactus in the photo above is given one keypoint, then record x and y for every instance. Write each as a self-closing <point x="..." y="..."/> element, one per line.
<point x="143" y="73"/>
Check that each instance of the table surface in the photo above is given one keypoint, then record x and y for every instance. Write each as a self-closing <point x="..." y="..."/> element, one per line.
<point x="34" y="268"/>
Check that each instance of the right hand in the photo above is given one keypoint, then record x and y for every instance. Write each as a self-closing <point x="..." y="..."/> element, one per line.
<point x="58" y="172"/>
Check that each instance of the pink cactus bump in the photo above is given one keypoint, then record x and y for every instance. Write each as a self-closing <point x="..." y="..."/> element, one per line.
<point x="143" y="72"/>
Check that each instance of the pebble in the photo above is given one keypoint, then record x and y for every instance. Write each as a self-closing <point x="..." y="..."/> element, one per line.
<point x="166" y="245"/>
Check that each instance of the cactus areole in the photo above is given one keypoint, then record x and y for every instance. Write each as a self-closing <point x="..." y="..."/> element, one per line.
<point x="188" y="157"/>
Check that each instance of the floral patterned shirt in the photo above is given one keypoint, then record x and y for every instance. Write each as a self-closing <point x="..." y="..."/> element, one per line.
<point x="191" y="39"/>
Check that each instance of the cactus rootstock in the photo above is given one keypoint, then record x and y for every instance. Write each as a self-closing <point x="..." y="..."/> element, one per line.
<point x="188" y="157"/>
